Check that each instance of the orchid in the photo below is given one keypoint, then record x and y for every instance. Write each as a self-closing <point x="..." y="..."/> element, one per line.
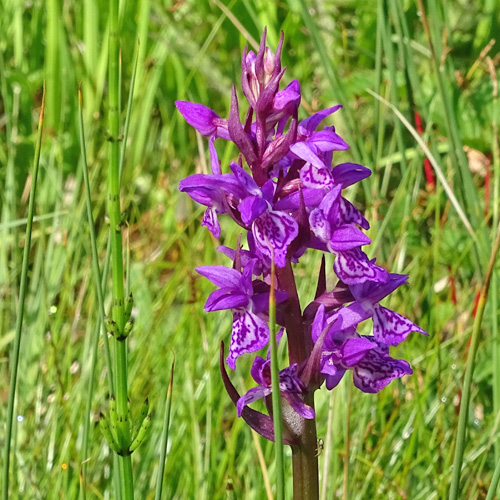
<point x="285" y="192"/>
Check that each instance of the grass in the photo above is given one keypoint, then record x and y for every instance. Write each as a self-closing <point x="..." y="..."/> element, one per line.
<point x="401" y="442"/>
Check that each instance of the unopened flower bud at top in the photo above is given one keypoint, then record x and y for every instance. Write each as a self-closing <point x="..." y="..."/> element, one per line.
<point x="258" y="70"/>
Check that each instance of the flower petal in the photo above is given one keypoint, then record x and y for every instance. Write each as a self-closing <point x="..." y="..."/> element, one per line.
<point x="250" y="333"/>
<point x="274" y="230"/>
<point x="198" y="116"/>
<point x="221" y="275"/>
<point x="211" y="222"/>
<point x="347" y="237"/>
<point x="299" y="406"/>
<point x="391" y="328"/>
<point x="353" y="267"/>
<point x="350" y="173"/>
<point x="223" y="298"/>
<point x="310" y="124"/>
<point x="316" y="178"/>
<point x="377" y="369"/>
<point x="252" y="395"/>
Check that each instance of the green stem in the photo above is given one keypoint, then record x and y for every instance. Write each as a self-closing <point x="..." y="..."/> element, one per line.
<point x="19" y="322"/>
<point x="464" y="405"/>
<point x="114" y="213"/>
<point x="276" y="394"/>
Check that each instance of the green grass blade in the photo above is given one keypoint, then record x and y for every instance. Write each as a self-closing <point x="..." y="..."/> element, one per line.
<point x="101" y="313"/>
<point x="20" y="313"/>
<point x="276" y="394"/>
<point x="164" y="435"/>
<point x="464" y="405"/>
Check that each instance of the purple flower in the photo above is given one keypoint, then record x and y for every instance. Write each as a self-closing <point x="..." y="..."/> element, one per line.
<point x="291" y="387"/>
<point x="344" y="349"/>
<point x="250" y="331"/>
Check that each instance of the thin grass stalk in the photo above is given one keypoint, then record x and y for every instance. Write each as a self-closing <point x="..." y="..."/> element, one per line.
<point x="129" y="109"/>
<point x="391" y="62"/>
<point x="164" y="435"/>
<point x="464" y="405"/>
<point x="22" y="296"/>
<point x="494" y="279"/>
<point x="99" y="281"/>
<point x="276" y="394"/>
<point x="118" y="312"/>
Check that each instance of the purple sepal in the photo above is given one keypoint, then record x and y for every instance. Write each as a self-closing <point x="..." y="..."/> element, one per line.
<point x="377" y="369"/>
<point x="245" y="179"/>
<point x="198" y="116"/>
<point x="353" y="267"/>
<point x="332" y="381"/>
<point x="310" y="124"/>
<point x="349" y="214"/>
<point x="391" y="328"/>
<point x="347" y="237"/>
<point x="220" y="275"/>
<point x="355" y="349"/>
<point x="304" y="151"/>
<point x="225" y="298"/>
<point x="238" y="135"/>
<point x="350" y="173"/>
<point x="328" y="140"/>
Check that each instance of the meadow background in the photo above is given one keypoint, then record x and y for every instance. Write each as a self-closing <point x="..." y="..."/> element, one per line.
<point x="396" y="444"/>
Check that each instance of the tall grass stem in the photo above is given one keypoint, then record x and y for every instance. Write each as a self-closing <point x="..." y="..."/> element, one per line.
<point x="474" y="342"/>
<point x="20" y="312"/>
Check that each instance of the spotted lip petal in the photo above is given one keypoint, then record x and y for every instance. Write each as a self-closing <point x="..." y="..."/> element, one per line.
<point x="250" y="333"/>
<point x="273" y="232"/>
<point x="353" y="267"/>
<point x="377" y="369"/>
<point x="392" y="328"/>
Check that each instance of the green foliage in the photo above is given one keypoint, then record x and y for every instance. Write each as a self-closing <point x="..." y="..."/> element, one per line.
<point x="401" y="441"/>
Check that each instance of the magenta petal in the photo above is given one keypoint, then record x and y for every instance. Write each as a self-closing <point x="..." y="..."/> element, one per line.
<point x="353" y="267"/>
<point x="304" y="151"/>
<point x="319" y="224"/>
<point x="250" y="333"/>
<point x="347" y="237"/>
<point x="349" y="173"/>
<point x="214" y="159"/>
<point x="349" y="214"/>
<point x="309" y="125"/>
<point x="299" y="406"/>
<point x="377" y="369"/>
<point x="355" y="349"/>
<point x="220" y="275"/>
<point x="198" y="116"/>
<point x="274" y="230"/>
<point x="245" y="179"/>
<point x="315" y="178"/>
<point x="222" y="299"/>
<point x="211" y="222"/>
<point x="328" y="140"/>
<point x="391" y="328"/>
<point x="251" y="207"/>
<point x="252" y="395"/>
<point x="333" y="381"/>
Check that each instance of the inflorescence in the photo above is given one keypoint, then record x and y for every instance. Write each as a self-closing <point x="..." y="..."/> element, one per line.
<point x="286" y="194"/>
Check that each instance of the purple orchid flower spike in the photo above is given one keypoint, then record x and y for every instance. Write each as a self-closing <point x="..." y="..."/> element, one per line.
<point x="286" y="194"/>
